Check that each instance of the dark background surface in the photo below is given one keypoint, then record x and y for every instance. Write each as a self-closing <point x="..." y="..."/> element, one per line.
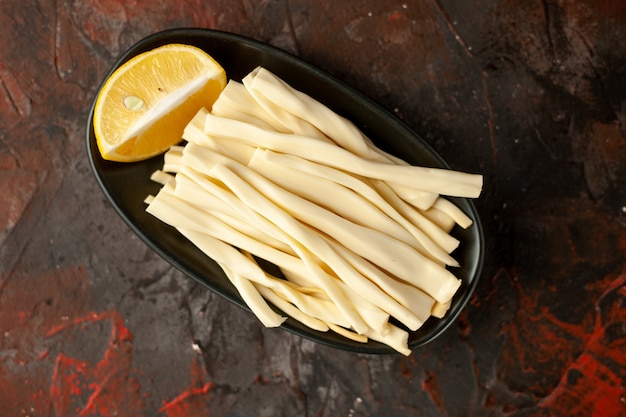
<point x="532" y="94"/>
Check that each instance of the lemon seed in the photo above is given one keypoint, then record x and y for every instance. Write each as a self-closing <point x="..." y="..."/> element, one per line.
<point x="133" y="103"/>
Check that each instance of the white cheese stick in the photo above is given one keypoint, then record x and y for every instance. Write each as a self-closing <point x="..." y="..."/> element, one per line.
<point x="253" y="298"/>
<point x="446" y="241"/>
<point x="441" y="219"/>
<point x="289" y="309"/>
<point x="442" y="181"/>
<point x="440" y="309"/>
<point x="396" y="338"/>
<point x="236" y="103"/>
<point x="453" y="211"/>
<point x="262" y="83"/>
<point x="348" y="334"/>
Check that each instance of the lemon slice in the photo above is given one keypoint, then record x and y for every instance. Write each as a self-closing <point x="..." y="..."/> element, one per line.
<point x="144" y="106"/>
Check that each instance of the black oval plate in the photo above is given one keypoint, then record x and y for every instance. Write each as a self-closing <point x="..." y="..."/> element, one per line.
<point x="127" y="184"/>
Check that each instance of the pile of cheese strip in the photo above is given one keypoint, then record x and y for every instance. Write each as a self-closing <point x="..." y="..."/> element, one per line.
<point x="358" y="235"/>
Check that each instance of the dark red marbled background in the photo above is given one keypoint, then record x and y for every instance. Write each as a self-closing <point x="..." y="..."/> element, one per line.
<point x="530" y="93"/>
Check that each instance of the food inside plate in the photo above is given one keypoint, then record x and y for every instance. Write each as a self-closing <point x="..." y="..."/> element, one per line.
<point x="361" y="239"/>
